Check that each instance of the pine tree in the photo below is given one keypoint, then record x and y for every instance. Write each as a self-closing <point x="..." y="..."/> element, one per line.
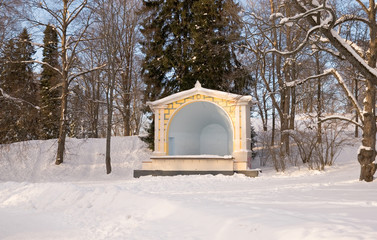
<point x="19" y="115"/>
<point x="49" y="86"/>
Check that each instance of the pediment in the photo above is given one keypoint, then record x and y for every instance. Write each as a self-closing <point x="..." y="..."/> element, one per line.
<point x="198" y="89"/>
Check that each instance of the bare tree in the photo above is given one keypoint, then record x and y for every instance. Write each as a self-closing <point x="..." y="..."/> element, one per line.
<point x="116" y="24"/>
<point x="325" y="27"/>
<point x="9" y="19"/>
<point x="65" y="16"/>
<point x="127" y="85"/>
<point x="274" y="70"/>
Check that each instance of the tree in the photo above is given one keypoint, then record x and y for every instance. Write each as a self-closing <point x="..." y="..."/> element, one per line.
<point x="19" y="99"/>
<point x="324" y="28"/>
<point x="273" y="71"/>
<point x="129" y="79"/>
<point x="117" y="20"/>
<point x="9" y="20"/>
<point x="186" y="41"/>
<point x="65" y="17"/>
<point x="49" y="85"/>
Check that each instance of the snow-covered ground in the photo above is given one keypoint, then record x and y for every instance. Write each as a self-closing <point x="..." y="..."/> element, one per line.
<point x="77" y="200"/>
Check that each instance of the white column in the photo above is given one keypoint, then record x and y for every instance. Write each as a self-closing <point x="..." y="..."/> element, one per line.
<point x="159" y="136"/>
<point x="242" y="151"/>
<point x="245" y="126"/>
<point x="236" y="140"/>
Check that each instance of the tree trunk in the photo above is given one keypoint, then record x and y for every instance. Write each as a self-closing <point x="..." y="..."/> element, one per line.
<point x="64" y="100"/>
<point x="367" y="152"/>
<point x="319" y="102"/>
<point x="109" y="124"/>
<point x="63" y="125"/>
<point x="356" y="115"/>
<point x="284" y="119"/>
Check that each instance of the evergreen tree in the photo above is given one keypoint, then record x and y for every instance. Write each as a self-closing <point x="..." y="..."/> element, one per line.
<point x="215" y="30"/>
<point x="19" y="115"/>
<point x="49" y="86"/>
<point x="186" y="41"/>
<point x="190" y="40"/>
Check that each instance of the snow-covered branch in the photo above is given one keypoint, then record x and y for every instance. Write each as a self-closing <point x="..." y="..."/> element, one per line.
<point x="341" y="82"/>
<point x="358" y="49"/>
<point x="299" y="47"/>
<point x="72" y="16"/>
<point x="350" y="17"/>
<point x="301" y="81"/>
<point x="347" y="91"/>
<point x="342" y="118"/>
<point x="338" y="42"/>
<point x="4" y="95"/>
<point x="43" y="63"/>
<point x="331" y="51"/>
<point x="72" y="77"/>
<point x="327" y="23"/>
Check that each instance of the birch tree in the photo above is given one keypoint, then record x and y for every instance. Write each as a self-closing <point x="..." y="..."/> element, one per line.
<point x="67" y="16"/>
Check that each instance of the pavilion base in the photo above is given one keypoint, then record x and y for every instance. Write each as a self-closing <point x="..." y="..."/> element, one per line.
<point x="141" y="173"/>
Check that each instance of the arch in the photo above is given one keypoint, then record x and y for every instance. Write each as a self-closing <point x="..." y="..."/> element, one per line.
<point x="199" y="128"/>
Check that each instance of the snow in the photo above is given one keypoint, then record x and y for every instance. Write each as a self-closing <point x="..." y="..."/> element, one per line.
<point x="196" y="156"/>
<point x="286" y="21"/>
<point x="77" y="200"/>
<point x="352" y="51"/>
<point x="358" y="49"/>
<point x="276" y="15"/>
<point x="364" y="148"/>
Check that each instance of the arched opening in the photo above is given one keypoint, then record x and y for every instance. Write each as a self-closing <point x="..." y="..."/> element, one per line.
<point x="200" y="128"/>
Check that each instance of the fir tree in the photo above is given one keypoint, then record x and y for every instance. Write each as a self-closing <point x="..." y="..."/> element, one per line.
<point x="19" y="115"/>
<point x="49" y="86"/>
<point x="215" y="32"/>
<point x="186" y="41"/>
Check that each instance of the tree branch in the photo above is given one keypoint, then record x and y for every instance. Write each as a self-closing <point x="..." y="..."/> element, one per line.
<point x="42" y="63"/>
<point x="339" y="43"/>
<point x="348" y="92"/>
<point x="342" y="119"/>
<point x="71" y="78"/>
<point x="6" y="96"/>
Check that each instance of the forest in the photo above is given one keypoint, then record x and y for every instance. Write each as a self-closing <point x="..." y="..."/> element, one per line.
<point x="86" y="68"/>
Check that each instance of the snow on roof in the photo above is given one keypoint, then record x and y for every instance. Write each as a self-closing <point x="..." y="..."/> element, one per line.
<point x="198" y="89"/>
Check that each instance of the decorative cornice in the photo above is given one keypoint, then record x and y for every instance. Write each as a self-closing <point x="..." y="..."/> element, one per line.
<point x="198" y="89"/>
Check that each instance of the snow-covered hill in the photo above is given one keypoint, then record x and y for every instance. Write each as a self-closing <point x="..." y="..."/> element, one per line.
<point x="34" y="161"/>
<point x="77" y="200"/>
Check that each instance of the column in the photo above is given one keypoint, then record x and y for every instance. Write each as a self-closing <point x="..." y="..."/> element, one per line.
<point x="159" y="133"/>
